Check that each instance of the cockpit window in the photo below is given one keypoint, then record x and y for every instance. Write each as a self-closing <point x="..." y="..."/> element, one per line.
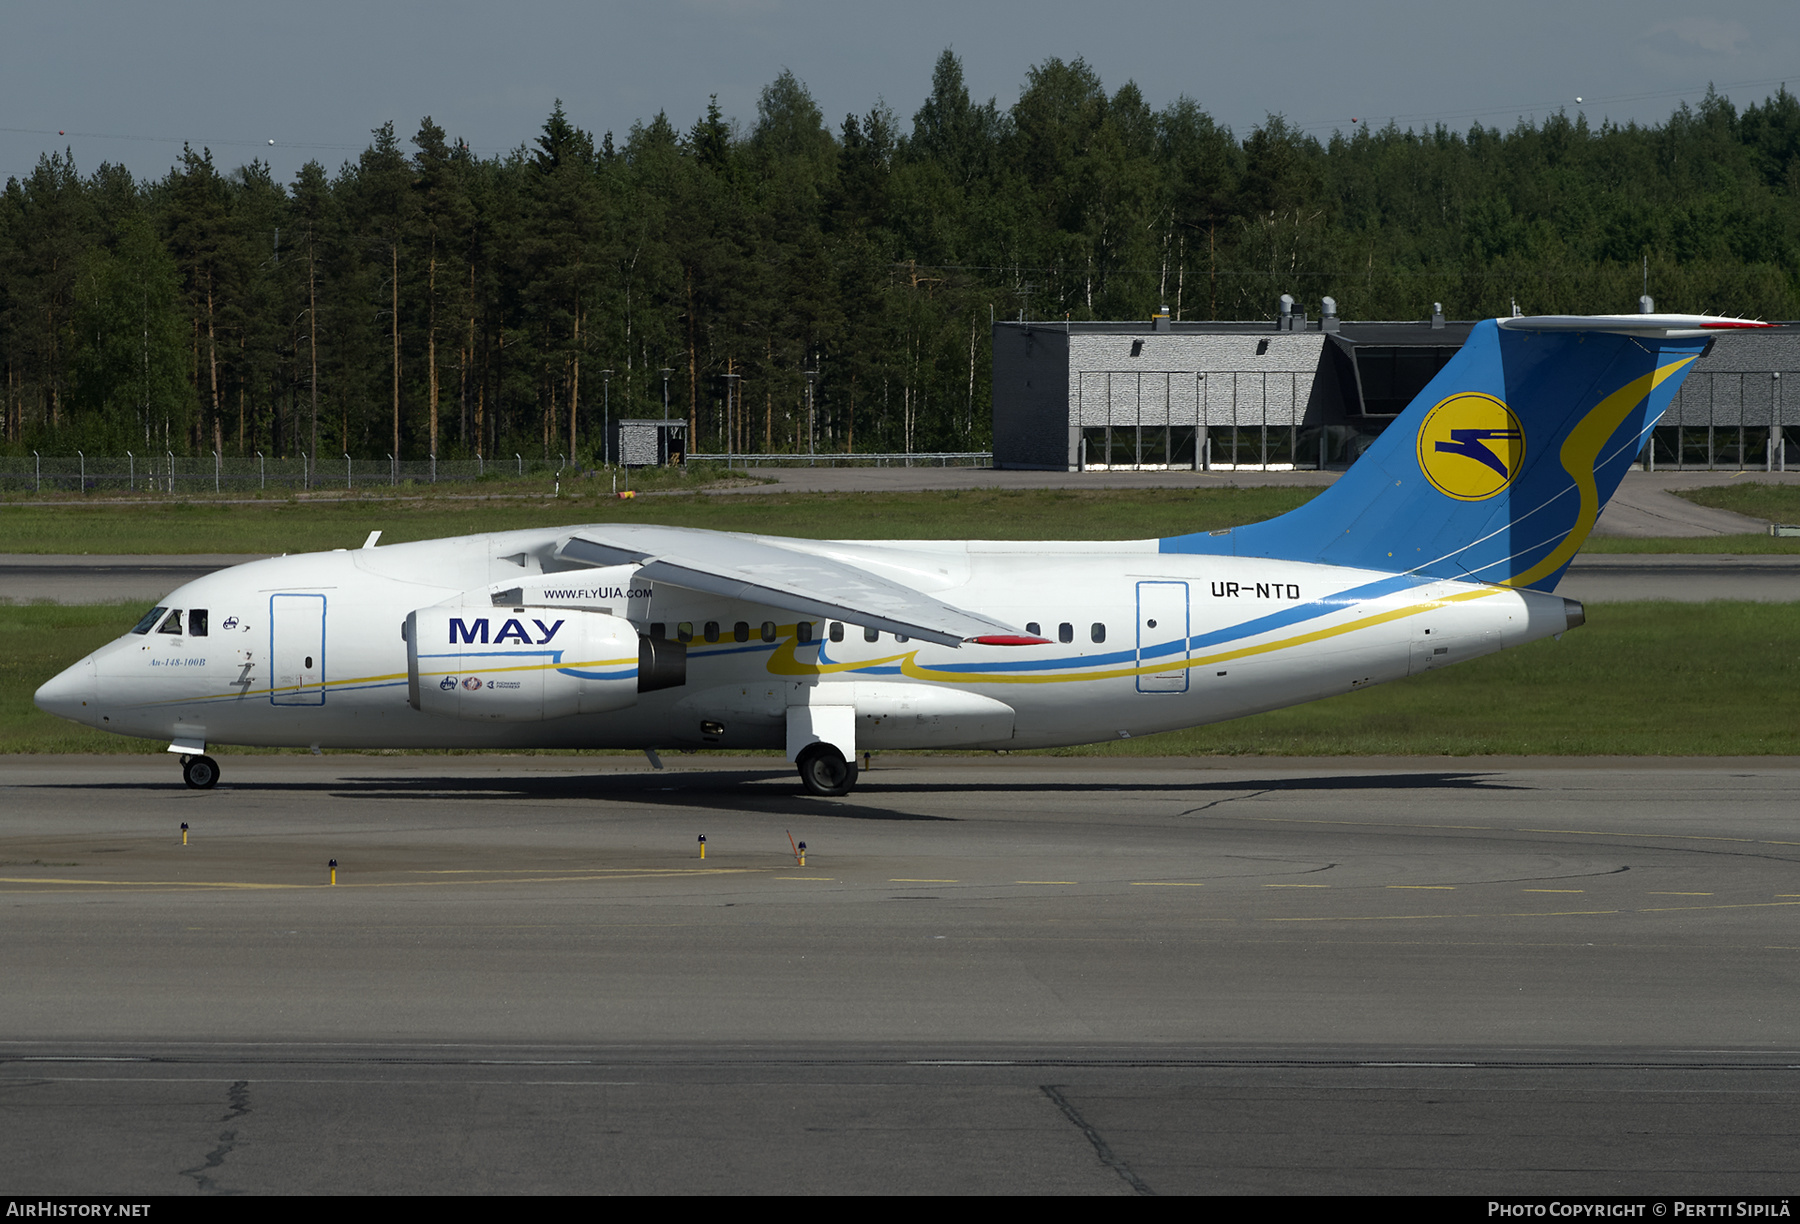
<point x="150" y="619"/>
<point x="197" y="622"/>
<point x="173" y="624"/>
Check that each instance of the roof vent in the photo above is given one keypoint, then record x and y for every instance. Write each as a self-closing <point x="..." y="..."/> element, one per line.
<point x="1437" y="315"/>
<point x="1328" y="321"/>
<point x="1645" y="305"/>
<point x="1286" y="320"/>
<point x="1160" y="320"/>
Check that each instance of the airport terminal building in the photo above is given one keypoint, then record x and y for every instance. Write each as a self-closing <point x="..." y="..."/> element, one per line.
<point x="1300" y="393"/>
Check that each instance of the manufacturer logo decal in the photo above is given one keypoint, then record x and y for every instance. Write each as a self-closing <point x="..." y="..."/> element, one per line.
<point x="230" y="622"/>
<point x="473" y="683"/>
<point x="1471" y="447"/>
<point x="447" y="683"/>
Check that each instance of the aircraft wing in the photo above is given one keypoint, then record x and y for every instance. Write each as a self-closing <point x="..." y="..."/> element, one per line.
<point x="764" y="572"/>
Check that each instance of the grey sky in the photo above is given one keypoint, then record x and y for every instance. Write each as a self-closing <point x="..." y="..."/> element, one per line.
<point x="128" y="82"/>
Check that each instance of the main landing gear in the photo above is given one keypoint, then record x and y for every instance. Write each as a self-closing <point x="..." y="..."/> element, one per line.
<point x="200" y="772"/>
<point x="824" y="771"/>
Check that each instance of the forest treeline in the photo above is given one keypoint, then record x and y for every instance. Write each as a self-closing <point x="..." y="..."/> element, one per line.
<point x="424" y="300"/>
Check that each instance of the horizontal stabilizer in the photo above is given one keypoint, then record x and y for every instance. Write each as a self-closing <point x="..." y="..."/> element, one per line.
<point x="767" y="572"/>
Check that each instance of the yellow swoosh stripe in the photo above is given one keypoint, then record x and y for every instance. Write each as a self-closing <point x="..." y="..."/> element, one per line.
<point x="1580" y="455"/>
<point x="913" y="669"/>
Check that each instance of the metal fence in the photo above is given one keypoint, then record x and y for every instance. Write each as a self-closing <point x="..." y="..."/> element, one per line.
<point x="170" y="473"/>
<point x="859" y="459"/>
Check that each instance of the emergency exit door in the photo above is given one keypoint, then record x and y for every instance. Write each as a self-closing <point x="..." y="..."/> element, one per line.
<point x="297" y="649"/>
<point x="1162" y="637"/>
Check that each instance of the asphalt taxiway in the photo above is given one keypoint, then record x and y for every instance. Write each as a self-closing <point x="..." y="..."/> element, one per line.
<point x="1009" y="974"/>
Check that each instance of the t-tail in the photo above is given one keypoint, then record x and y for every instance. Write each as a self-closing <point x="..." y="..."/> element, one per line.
<point x="1499" y="469"/>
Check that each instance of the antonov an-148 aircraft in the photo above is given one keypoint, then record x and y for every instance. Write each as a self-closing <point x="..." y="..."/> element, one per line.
<point x="1443" y="542"/>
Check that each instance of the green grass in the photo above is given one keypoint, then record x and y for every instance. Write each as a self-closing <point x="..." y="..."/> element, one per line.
<point x="1640" y="679"/>
<point x="282" y="525"/>
<point x="305" y="526"/>
<point x="1779" y="503"/>
<point x="1734" y="545"/>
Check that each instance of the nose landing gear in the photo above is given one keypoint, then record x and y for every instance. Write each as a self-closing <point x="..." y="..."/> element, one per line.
<point x="199" y="772"/>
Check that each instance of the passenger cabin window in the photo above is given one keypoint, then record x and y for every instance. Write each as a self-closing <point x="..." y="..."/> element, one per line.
<point x="1098" y="632"/>
<point x="1065" y="632"/>
<point x="901" y="637"/>
<point x="803" y="632"/>
<point x="740" y="632"/>
<point x="173" y="624"/>
<point x="149" y="621"/>
<point x="684" y="632"/>
<point x="197" y="622"/>
<point x="712" y="631"/>
<point x="1031" y="627"/>
<point x="837" y="631"/>
<point x="768" y="631"/>
<point x="659" y="629"/>
<point x="871" y="635"/>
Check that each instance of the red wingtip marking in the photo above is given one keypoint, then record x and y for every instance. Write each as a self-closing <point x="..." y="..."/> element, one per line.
<point x="1009" y="639"/>
<point x="1735" y="323"/>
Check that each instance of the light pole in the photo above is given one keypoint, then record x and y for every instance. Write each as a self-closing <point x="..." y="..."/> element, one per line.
<point x="731" y="382"/>
<point x="606" y="419"/>
<point x="812" y="377"/>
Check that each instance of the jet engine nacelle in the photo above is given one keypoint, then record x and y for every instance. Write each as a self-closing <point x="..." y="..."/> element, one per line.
<point x="483" y="662"/>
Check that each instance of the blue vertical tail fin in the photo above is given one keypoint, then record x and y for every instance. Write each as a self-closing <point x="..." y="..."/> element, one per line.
<point x="1499" y="469"/>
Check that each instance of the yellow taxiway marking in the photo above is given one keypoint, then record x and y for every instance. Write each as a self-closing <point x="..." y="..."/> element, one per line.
<point x="1554" y="890"/>
<point x="155" y="883"/>
<point x="1659" y="909"/>
<point x="1427" y="887"/>
<point x="820" y="879"/>
<point x="1296" y="886"/>
<point x="1166" y="884"/>
<point x="1416" y="917"/>
<point x="509" y="877"/>
<point x="1046" y="881"/>
<point x="1677" y="894"/>
<point x="904" y="880"/>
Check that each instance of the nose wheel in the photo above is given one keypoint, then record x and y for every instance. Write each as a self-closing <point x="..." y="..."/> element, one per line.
<point x="824" y="771"/>
<point x="199" y="772"/>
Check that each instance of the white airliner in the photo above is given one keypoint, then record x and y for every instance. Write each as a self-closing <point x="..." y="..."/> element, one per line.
<point x="1442" y="543"/>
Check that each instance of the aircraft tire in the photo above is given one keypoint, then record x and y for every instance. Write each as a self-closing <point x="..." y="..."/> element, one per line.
<point x="824" y="771"/>
<point x="199" y="772"/>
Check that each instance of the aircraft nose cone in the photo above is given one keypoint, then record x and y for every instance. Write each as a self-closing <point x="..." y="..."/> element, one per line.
<point x="70" y="693"/>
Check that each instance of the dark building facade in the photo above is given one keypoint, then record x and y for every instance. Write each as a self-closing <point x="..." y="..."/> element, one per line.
<point x="1313" y="393"/>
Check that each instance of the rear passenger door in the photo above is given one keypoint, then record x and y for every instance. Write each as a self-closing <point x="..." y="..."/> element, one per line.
<point x="1162" y="637"/>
